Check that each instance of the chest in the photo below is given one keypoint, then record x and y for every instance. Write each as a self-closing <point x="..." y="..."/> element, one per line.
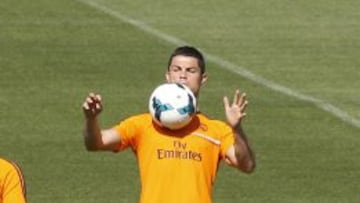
<point x="193" y="147"/>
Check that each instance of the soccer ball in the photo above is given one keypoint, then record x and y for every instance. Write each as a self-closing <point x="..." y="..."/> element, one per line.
<point x="172" y="105"/>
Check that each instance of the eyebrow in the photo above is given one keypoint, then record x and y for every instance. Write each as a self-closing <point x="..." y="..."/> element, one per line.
<point x="191" y="67"/>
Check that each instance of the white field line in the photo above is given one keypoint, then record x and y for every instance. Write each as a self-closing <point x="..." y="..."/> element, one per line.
<point x="344" y="116"/>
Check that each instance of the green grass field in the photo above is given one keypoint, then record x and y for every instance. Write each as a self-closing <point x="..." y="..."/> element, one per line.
<point x="54" y="52"/>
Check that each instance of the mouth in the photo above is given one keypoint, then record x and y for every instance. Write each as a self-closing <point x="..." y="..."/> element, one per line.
<point x="180" y="81"/>
<point x="184" y="82"/>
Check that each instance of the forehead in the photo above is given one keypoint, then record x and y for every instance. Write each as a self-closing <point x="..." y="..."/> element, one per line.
<point x="185" y="61"/>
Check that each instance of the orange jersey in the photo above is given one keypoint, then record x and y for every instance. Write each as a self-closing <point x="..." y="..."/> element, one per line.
<point x="176" y="166"/>
<point x="12" y="187"/>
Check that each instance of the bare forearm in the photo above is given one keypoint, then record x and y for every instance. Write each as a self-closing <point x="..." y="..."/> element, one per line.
<point x="92" y="134"/>
<point x="243" y="152"/>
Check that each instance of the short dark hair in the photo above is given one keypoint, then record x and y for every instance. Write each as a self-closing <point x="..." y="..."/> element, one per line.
<point x="189" y="51"/>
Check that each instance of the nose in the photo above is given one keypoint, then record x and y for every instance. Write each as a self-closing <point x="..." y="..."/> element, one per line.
<point x="183" y="74"/>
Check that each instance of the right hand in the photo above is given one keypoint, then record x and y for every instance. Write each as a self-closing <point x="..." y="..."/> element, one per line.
<point x="92" y="105"/>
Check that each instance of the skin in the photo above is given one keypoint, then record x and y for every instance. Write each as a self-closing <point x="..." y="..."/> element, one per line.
<point x="185" y="70"/>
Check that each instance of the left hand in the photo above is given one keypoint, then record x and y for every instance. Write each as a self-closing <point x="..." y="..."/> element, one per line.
<point x="236" y="111"/>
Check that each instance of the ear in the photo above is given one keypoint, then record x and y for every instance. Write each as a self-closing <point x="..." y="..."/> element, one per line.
<point x="204" y="78"/>
<point x="167" y="76"/>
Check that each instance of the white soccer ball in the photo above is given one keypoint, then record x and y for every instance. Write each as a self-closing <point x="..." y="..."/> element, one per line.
<point x="172" y="105"/>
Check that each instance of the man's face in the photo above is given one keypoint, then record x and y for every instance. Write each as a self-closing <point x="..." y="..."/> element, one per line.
<point x="186" y="70"/>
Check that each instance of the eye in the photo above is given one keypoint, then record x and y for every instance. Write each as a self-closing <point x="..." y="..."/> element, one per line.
<point x="175" y="68"/>
<point x="192" y="70"/>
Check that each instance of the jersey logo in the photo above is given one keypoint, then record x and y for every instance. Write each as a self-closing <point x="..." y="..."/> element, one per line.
<point x="180" y="151"/>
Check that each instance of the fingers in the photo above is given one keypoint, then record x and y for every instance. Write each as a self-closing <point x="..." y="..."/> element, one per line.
<point x="226" y="102"/>
<point x="240" y="102"/>
<point x="243" y="101"/>
<point x="239" y="99"/>
<point x="236" y="97"/>
<point x="92" y="105"/>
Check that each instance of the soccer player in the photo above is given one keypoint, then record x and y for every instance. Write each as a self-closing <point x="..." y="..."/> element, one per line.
<point x="12" y="185"/>
<point x="177" y="166"/>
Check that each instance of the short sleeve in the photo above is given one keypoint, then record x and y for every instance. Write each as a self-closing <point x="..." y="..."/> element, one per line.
<point x="227" y="140"/>
<point x="130" y="131"/>
<point x="127" y="131"/>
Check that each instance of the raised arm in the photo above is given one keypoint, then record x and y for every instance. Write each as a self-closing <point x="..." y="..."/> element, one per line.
<point x="95" y="138"/>
<point x="240" y="155"/>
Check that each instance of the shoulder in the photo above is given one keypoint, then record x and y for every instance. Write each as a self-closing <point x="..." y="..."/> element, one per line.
<point x="7" y="165"/>
<point x="4" y="163"/>
<point x="144" y="117"/>
<point x="13" y="180"/>
<point x="138" y="121"/>
<point x="208" y="121"/>
<point x="215" y="128"/>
